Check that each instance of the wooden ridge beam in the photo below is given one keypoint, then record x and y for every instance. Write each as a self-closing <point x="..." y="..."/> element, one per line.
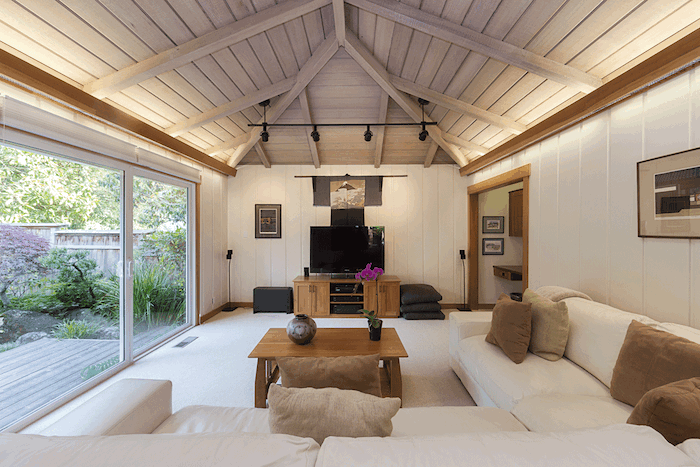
<point x="318" y="60"/>
<point x="377" y="72"/>
<point x="339" y="18"/>
<point x="379" y="147"/>
<point x="22" y="72"/>
<point x="230" y="108"/>
<point x="202" y="46"/>
<point x="482" y="44"/>
<point x="666" y="63"/>
<point x="306" y="115"/>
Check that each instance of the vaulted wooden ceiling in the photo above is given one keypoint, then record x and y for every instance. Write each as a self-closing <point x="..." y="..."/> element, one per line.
<point x="197" y="69"/>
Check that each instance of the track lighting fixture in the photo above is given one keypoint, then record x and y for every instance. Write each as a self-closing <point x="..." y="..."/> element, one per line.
<point x="368" y="134"/>
<point x="264" y="135"/>
<point x="314" y="134"/>
<point x="423" y="134"/>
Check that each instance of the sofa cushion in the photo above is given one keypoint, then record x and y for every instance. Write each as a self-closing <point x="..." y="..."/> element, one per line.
<point x="686" y="332"/>
<point x="510" y="327"/>
<point x="550" y="326"/>
<point x="672" y="410"/>
<point x="431" y="421"/>
<point x="506" y="383"/>
<point x="356" y="372"/>
<point x="420" y="307"/>
<point x="419" y="293"/>
<point x="596" y="333"/>
<point x="319" y="413"/>
<point x="561" y="412"/>
<point x="210" y="449"/>
<point x="691" y="447"/>
<point x="208" y="419"/>
<point x="613" y="446"/>
<point x="650" y="358"/>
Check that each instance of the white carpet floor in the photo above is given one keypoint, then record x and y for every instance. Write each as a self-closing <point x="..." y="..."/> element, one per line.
<point x="215" y="368"/>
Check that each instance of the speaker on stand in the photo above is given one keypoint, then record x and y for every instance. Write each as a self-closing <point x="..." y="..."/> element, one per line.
<point x="464" y="307"/>
<point x="229" y="307"/>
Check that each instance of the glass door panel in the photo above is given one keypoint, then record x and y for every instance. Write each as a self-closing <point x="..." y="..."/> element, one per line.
<point x="160" y="272"/>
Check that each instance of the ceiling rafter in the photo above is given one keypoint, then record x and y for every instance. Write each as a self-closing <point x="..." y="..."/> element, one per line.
<point x="379" y="148"/>
<point x="377" y="72"/>
<point x="306" y="115"/>
<point x="261" y="154"/>
<point x="432" y="150"/>
<point x="463" y="143"/>
<point x="505" y="123"/>
<point x="228" y="144"/>
<point x="480" y="43"/>
<point x="202" y="46"/>
<point x="231" y="108"/>
<point x="318" y="60"/>
<point x="339" y="18"/>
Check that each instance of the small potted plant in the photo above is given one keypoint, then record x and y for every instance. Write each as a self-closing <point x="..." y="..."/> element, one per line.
<point x="375" y="324"/>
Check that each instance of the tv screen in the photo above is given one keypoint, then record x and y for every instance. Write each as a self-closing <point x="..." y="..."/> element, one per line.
<point x="346" y="249"/>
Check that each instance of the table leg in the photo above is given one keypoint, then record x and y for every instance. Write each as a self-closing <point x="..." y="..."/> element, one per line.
<point x="261" y="384"/>
<point x="394" y="373"/>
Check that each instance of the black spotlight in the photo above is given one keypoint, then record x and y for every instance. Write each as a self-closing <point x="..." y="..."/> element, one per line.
<point x="423" y="134"/>
<point x="314" y="134"/>
<point x="264" y="135"/>
<point x="368" y="134"/>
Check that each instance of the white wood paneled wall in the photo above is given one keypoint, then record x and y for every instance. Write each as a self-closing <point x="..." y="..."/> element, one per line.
<point x="424" y="215"/>
<point x="583" y="205"/>
<point x="213" y="241"/>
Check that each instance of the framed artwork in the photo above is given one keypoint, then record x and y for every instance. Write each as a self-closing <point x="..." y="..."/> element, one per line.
<point x="492" y="246"/>
<point x="668" y="196"/>
<point x="492" y="224"/>
<point x="268" y="221"/>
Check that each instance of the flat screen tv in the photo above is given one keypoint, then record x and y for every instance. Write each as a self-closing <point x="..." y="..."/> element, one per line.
<point x="346" y="249"/>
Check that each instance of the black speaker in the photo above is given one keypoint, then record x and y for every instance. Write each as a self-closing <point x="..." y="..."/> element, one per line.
<point x="462" y="255"/>
<point x="306" y="272"/>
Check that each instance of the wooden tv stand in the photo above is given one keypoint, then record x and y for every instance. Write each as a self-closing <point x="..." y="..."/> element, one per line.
<point x="313" y="296"/>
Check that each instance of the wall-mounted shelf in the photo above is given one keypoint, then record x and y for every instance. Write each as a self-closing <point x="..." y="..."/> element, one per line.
<point x="511" y="273"/>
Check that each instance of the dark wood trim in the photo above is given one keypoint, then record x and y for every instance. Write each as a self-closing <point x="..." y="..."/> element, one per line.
<point x="473" y="251"/>
<point x="485" y="306"/>
<point x="207" y="316"/>
<point x="37" y="79"/>
<point x="197" y="247"/>
<point x="526" y="230"/>
<point x="663" y="65"/>
<point x="503" y="179"/>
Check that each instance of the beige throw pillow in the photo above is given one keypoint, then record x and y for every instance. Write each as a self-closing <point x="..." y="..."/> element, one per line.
<point x="650" y="358"/>
<point x="510" y="327"/>
<point x="319" y="413"/>
<point x="550" y="326"/>
<point x="359" y="372"/>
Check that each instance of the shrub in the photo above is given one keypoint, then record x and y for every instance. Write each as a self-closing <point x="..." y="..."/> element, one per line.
<point x="43" y="301"/>
<point x="170" y="249"/>
<point x="78" y="282"/>
<point x="94" y="370"/>
<point x="75" y="329"/>
<point x="20" y="259"/>
<point x="8" y="346"/>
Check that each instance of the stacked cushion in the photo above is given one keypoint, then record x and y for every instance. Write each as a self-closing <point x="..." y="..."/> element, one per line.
<point x="420" y="301"/>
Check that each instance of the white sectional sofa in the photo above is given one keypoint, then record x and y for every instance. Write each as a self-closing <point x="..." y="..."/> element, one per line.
<point x="567" y="394"/>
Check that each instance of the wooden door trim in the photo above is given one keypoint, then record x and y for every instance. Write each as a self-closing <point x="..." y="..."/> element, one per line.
<point x="521" y="174"/>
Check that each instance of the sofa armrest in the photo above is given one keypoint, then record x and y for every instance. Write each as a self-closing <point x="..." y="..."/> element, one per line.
<point x="467" y="324"/>
<point x="129" y="406"/>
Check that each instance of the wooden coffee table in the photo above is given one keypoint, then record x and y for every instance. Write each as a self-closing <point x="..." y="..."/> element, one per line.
<point x="328" y="342"/>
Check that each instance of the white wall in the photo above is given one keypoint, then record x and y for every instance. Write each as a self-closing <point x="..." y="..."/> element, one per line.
<point x="583" y="205"/>
<point x="496" y="203"/>
<point x="424" y="215"/>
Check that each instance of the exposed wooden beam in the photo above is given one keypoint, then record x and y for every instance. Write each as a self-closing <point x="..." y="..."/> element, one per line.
<point x="379" y="148"/>
<point x="505" y="123"/>
<point x="432" y="150"/>
<point x="261" y="154"/>
<point x="652" y="71"/>
<point x="46" y="84"/>
<point x="202" y="46"/>
<point x="306" y="115"/>
<point x="480" y="43"/>
<point x="377" y="72"/>
<point x="228" y="144"/>
<point x="231" y="107"/>
<point x="463" y="143"/>
<point x="339" y="17"/>
<point x="318" y="60"/>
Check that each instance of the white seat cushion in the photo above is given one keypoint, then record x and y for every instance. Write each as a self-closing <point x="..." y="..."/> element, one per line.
<point x="207" y="419"/>
<point x="506" y="382"/>
<point x="561" y="412"/>
<point x="428" y="421"/>
<point x="596" y="334"/>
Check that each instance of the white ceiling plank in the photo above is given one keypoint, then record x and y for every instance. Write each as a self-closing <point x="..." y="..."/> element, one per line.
<point x="317" y="61"/>
<point x="261" y="154"/>
<point x="480" y="43"/>
<point x="432" y="150"/>
<point x="231" y="107"/>
<point x="306" y="113"/>
<point x="339" y="16"/>
<point x="384" y="31"/>
<point x="202" y="46"/>
<point x="379" y="147"/>
<point x="373" y="68"/>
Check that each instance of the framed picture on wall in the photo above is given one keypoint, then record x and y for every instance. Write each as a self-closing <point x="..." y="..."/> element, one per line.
<point x="492" y="224"/>
<point x="268" y="221"/>
<point x="492" y="246"/>
<point x="668" y="196"/>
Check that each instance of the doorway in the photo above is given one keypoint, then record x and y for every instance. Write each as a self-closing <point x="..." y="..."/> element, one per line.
<point x="521" y="174"/>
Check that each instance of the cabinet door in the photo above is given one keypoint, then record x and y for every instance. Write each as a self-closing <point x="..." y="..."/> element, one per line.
<point x="304" y="299"/>
<point x="370" y="291"/>
<point x="389" y="299"/>
<point x="322" y="299"/>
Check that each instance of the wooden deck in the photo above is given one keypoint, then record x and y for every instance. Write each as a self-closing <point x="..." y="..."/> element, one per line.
<point x="36" y="373"/>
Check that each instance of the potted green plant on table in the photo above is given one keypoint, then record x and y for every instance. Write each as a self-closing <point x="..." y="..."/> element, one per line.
<point x="375" y="324"/>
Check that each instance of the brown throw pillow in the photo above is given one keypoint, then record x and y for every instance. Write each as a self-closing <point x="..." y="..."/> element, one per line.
<point x="510" y="327"/>
<point x="550" y="326"/>
<point x="650" y="358"/>
<point x="358" y="372"/>
<point x="319" y="413"/>
<point x="673" y="410"/>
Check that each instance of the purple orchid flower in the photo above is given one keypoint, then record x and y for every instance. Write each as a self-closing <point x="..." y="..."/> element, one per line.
<point x="369" y="274"/>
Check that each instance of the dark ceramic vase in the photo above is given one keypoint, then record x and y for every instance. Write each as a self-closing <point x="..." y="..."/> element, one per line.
<point x="301" y="329"/>
<point x="375" y="334"/>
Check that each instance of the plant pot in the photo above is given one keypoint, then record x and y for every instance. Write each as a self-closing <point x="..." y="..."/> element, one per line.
<point x="375" y="334"/>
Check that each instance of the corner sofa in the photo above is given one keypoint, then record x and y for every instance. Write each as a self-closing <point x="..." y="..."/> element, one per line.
<point x="551" y="396"/>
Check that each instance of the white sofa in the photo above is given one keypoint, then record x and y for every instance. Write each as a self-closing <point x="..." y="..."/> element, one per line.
<point x="568" y="394"/>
